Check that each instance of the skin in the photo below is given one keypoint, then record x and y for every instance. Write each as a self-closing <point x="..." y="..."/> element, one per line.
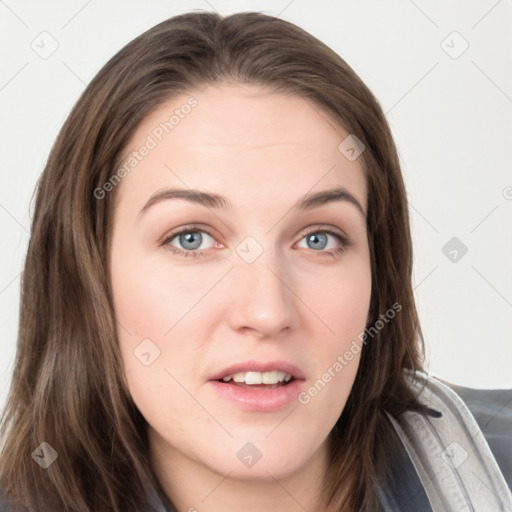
<point x="262" y="151"/>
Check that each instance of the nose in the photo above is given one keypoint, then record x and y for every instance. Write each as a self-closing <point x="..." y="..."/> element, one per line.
<point x="261" y="294"/>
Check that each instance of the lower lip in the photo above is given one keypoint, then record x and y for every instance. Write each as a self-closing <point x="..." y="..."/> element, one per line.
<point x="259" y="399"/>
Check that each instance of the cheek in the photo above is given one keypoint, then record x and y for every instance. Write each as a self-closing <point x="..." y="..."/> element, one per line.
<point x="341" y="300"/>
<point x="162" y="399"/>
<point x="163" y="318"/>
<point x="152" y="297"/>
<point x="158" y="335"/>
<point x="342" y="309"/>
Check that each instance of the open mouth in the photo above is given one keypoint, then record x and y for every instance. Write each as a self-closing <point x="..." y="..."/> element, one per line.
<point x="258" y="380"/>
<point x="256" y="386"/>
<point x="256" y="391"/>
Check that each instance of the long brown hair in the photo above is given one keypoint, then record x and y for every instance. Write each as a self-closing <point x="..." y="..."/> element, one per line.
<point x="68" y="386"/>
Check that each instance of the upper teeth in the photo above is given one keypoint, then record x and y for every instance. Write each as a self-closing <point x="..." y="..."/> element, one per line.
<point x="259" y="377"/>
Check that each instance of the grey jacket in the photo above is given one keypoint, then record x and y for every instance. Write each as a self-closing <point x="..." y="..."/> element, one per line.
<point x="459" y="459"/>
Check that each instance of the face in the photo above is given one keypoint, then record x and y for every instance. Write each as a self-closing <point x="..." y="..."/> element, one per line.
<point x="261" y="283"/>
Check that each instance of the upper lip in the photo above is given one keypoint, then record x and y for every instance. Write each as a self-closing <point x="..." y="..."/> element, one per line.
<point x="260" y="366"/>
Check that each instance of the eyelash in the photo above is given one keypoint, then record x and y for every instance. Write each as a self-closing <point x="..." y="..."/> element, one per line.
<point x="333" y="253"/>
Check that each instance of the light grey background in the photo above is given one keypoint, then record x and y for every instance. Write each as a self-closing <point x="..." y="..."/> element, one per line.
<point x="449" y="109"/>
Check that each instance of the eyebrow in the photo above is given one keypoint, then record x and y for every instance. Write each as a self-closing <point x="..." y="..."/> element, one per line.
<point x="210" y="200"/>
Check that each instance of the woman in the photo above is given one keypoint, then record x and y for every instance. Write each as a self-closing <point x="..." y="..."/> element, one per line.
<point x="217" y="308"/>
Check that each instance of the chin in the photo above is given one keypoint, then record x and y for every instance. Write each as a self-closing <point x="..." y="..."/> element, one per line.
<point x="263" y="471"/>
<point x="261" y="460"/>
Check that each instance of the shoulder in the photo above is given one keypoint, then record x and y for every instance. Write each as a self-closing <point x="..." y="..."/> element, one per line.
<point x="460" y="445"/>
<point x="492" y="410"/>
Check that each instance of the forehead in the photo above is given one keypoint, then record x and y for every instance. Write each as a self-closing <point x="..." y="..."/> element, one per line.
<point x="243" y="138"/>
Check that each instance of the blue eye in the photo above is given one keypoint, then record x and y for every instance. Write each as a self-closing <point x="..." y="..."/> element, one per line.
<point x="191" y="238"/>
<point x="317" y="239"/>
